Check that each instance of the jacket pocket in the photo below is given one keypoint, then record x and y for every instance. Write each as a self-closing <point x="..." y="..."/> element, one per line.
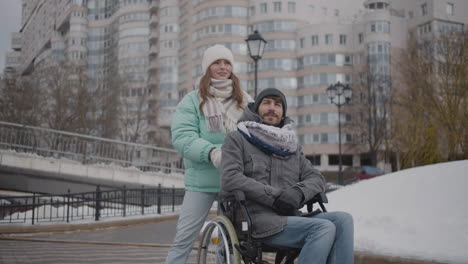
<point x="261" y="168"/>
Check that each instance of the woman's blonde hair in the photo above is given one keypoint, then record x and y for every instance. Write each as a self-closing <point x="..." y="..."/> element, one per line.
<point x="204" y="90"/>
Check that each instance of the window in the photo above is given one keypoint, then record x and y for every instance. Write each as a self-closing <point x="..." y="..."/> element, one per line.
<point x="448" y="27"/>
<point x="301" y="43"/>
<point x="275" y="26"/>
<point x="277" y="7"/>
<point x="324" y="11"/>
<point x="346" y="160"/>
<point x="263" y="8"/>
<point x="424" y="9"/>
<point x="426" y="28"/>
<point x="380" y="26"/>
<point x="323" y="138"/>
<point x="342" y="39"/>
<point x="312" y="9"/>
<point x="252" y="11"/>
<point x="450" y="9"/>
<point x="315" y="40"/>
<point x="314" y="159"/>
<point x="360" y="38"/>
<point x="328" y="39"/>
<point x="336" y="12"/>
<point x="291" y="7"/>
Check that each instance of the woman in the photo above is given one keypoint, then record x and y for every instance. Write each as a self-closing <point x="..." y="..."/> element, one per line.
<point x="199" y="125"/>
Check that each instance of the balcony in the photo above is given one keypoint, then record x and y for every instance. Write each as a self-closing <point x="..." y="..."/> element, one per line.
<point x="154" y="6"/>
<point x="154" y="21"/>
<point x="153" y="82"/>
<point x="16" y="40"/>
<point x="154" y="50"/>
<point x="154" y="36"/>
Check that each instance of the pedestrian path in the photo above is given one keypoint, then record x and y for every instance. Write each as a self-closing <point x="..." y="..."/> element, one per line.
<point x="145" y="243"/>
<point x="40" y="252"/>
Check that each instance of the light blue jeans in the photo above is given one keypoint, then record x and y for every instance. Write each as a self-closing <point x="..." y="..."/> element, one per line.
<point x="193" y="213"/>
<point x="324" y="238"/>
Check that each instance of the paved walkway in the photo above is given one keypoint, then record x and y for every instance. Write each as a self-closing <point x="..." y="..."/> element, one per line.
<point x="30" y="252"/>
<point x="146" y="243"/>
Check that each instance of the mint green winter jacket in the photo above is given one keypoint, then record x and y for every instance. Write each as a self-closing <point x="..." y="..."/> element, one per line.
<point x="191" y="138"/>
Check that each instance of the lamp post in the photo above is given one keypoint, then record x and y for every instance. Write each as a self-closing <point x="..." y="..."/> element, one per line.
<point x="339" y="95"/>
<point x="256" y="45"/>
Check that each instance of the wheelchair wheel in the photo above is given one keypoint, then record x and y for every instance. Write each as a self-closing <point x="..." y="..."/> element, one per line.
<point x="217" y="243"/>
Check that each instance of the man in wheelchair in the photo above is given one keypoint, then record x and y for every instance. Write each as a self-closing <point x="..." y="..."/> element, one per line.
<point x="264" y="161"/>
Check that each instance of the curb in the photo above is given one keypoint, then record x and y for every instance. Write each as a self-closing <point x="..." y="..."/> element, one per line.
<point x="86" y="242"/>
<point x="11" y="230"/>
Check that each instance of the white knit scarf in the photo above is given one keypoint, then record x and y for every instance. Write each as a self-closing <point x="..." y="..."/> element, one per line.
<point x="282" y="139"/>
<point x="220" y="109"/>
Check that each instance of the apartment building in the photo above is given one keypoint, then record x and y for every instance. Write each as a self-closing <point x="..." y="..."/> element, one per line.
<point x="114" y="40"/>
<point x="311" y="45"/>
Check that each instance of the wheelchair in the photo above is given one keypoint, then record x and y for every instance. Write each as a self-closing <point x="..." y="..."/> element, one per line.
<point x="227" y="238"/>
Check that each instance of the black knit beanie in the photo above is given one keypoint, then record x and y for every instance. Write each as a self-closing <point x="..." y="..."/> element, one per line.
<point x="270" y="92"/>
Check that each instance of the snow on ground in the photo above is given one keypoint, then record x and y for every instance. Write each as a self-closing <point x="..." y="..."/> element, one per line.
<point x="416" y="213"/>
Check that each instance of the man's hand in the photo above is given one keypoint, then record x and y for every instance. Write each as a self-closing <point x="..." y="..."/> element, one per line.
<point x="289" y="201"/>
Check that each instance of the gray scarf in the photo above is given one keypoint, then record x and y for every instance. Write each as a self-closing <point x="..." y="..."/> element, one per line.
<point x="281" y="141"/>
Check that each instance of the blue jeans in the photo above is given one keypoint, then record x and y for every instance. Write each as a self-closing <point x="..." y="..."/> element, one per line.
<point x="324" y="238"/>
<point x="193" y="213"/>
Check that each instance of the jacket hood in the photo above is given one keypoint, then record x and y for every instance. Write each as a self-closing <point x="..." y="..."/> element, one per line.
<point x="250" y="115"/>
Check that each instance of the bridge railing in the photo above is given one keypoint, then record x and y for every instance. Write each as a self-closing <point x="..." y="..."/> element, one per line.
<point x="88" y="149"/>
<point x="89" y="206"/>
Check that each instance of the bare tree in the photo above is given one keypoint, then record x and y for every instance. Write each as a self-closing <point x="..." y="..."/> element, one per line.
<point x="433" y="106"/>
<point x="66" y="97"/>
<point x="371" y="111"/>
<point x="108" y="109"/>
<point x="20" y="102"/>
<point x="133" y="107"/>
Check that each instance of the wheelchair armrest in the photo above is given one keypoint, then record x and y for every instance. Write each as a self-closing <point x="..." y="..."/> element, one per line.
<point x="240" y="196"/>
<point x="237" y="195"/>
<point x="236" y="199"/>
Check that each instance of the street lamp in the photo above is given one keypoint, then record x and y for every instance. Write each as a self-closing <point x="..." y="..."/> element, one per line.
<point x="339" y="95"/>
<point x="256" y="46"/>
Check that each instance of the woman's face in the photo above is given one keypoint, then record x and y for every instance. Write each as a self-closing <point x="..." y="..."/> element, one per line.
<point x="220" y="69"/>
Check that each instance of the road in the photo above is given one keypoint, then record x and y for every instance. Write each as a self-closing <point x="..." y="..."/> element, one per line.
<point x="146" y="243"/>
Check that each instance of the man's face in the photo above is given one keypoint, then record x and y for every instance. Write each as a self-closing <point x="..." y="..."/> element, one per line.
<point x="271" y="110"/>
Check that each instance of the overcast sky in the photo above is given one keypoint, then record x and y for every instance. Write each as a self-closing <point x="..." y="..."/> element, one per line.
<point x="10" y="20"/>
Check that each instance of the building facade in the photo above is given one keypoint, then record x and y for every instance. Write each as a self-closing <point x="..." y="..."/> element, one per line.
<point x="157" y="47"/>
<point x="311" y="45"/>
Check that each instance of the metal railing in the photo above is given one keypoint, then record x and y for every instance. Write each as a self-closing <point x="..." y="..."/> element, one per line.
<point x="89" y="206"/>
<point x="88" y="149"/>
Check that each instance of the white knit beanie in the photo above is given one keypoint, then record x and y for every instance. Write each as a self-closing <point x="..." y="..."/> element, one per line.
<point x="214" y="53"/>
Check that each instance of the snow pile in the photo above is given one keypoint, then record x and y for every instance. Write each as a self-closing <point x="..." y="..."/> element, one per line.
<point x="416" y="213"/>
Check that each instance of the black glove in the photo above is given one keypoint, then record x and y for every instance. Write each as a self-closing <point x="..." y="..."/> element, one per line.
<point x="289" y="201"/>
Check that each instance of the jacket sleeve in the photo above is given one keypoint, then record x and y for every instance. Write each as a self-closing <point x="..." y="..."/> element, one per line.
<point x="185" y="129"/>
<point x="233" y="177"/>
<point x="312" y="182"/>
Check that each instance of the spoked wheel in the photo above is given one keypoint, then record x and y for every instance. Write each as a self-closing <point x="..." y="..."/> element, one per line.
<point x="217" y="243"/>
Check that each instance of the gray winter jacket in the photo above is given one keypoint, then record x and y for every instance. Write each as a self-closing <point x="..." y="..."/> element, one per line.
<point x="262" y="176"/>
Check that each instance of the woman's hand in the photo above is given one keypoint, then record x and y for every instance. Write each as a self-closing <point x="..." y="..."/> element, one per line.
<point x="215" y="157"/>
